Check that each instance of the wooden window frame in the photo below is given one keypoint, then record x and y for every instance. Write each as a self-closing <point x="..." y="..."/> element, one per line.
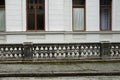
<point x="79" y="6"/>
<point x="34" y="5"/>
<point x="104" y="6"/>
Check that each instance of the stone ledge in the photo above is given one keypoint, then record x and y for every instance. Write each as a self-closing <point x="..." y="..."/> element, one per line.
<point x="57" y="32"/>
<point x="60" y="61"/>
<point x="58" y="74"/>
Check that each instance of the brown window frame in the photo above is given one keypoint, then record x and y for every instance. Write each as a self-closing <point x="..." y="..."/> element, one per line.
<point x="35" y="17"/>
<point x="79" y="6"/>
<point x="2" y="7"/>
<point x="106" y="6"/>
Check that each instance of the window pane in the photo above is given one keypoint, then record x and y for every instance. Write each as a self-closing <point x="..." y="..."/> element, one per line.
<point x="105" y="2"/>
<point x="35" y="1"/>
<point x="40" y="18"/>
<point x="30" y="1"/>
<point x="78" y="18"/>
<point x="2" y="2"/>
<point x="105" y="18"/>
<point x="39" y="1"/>
<point x="31" y="18"/>
<point x="2" y="19"/>
<point x="78" y="2"/>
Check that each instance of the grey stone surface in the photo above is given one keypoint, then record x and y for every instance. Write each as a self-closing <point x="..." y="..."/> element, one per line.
<point x="65" y="78"/>
<point x="60" y="67"/>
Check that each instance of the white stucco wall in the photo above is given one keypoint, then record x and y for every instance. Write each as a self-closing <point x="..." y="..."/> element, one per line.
<point x="116" y="15"/>
<point x="13" y="15"/>
<point x="92" y="15"/>
<point x="58" y="17"/>
<point x="56" y="12"/>
<point x="68" y="15"/>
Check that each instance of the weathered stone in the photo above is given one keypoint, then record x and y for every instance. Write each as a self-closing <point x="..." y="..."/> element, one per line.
<point x="65" y="78"/>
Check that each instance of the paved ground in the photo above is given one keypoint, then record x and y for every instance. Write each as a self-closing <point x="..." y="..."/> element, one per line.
<point x="80" y="67"/>
<point x="61" y="67"/>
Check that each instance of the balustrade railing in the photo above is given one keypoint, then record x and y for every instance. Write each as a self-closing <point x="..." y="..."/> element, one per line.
<point x="60" y="51"/>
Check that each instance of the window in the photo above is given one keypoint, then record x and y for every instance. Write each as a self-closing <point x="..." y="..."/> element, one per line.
<point x="105" y="15"/>
<point x="78" y="15"/>
<point x="2" y="15"/>
<point x="35" y="15"/>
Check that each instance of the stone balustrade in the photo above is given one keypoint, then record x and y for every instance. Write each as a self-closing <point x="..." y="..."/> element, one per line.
<point x="62" y="51"/>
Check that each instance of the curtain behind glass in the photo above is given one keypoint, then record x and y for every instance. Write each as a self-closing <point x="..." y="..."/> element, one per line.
<point x="2" y="19"/>
<point x="105" y="18"/>
<point x="78" y="14"/>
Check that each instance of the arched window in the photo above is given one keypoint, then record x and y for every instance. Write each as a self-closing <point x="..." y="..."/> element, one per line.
<point x="35" y="15"/>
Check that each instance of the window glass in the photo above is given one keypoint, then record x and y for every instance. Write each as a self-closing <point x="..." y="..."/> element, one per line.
<point x="2" y="15"/>
<point x="78" y="2"/>
<point x="105" y="18"/>
<point x="40" y="18"/>
<point x="78" y="18"/>
<point x="78" y="15"/>
<point x="35" y="14"/>
<point x="105" y="14"/>
<point x="31" y="15"/>
<point x="105" y="2"/>
<point x="2" y="2"/>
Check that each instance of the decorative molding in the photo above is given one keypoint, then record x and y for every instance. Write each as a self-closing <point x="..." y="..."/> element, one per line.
<point x="58" y="32"/>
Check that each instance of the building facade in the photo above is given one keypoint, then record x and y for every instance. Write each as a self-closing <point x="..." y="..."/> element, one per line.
<point x="59" y="21"/>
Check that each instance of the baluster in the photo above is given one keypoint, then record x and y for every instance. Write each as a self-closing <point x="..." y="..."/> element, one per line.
<point x="55" y="48"/>
<point x="68" y="48"/>
<point x="37" y="48"/>
<point x="46" y="48"/>
<point x="15" y="55"/>
<point x="82" y="54"/>
<point x="37" y="55"/>
<point x="2" y="49"/>
<point x="90" y="53"/>
<point x="64" y="55"/>
<point x="55" y="55"/>
<point x="64" y="48"/>
<point x="59" y="48"/>
<point x="77" y="47"/>
<point x="15" y="49"/>
<point x="41" y="48"/>
<point x="20" y="55"/>
<point x="11" y="55"/>
<point x="73" y="47"/>
<point x="50" y="48"/>
<point x="77" y="54"/>
<point x="73" y="54"/>
<point x="51" y="55"/>
<point x="42" y="55"/>
<point x="95" y="53"/>
<point x="59" y="54"/>
<point x="116" y="53"/>
<point x="6" y="49"/>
